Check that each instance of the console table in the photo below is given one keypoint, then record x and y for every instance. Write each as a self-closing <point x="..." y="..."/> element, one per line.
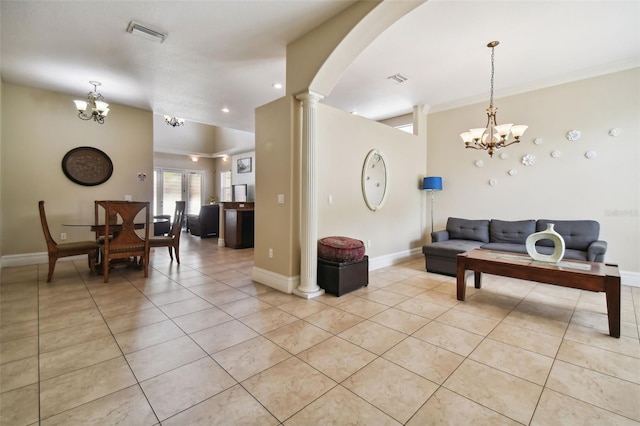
<point x="239" y="227"/>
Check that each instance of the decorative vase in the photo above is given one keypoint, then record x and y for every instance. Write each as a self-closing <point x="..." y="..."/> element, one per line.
<point x="547" y="234"/>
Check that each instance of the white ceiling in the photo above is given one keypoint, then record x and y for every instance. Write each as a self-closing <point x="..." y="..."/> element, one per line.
<point x="229" y="53"/>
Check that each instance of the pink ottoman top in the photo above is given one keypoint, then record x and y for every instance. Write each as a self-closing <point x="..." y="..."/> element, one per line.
<point x="340" y="249"/>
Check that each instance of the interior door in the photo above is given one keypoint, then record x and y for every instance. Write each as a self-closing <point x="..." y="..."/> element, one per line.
<point x="172" y="185"/>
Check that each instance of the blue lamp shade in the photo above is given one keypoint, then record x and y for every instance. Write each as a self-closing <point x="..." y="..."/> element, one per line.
<point x="432" y="183"/>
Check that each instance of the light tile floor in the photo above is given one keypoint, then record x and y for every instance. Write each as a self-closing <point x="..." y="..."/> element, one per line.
<point x="202" y="344"/>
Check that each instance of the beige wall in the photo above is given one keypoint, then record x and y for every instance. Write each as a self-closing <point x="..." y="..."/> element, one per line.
<point x="344" y="140"/>
<point x="1" y="174"/>
<point x="606" y="189"/>
<point x="276" y="225"/>
<point x="38" y="128"/>
<point x="191" y="138"/>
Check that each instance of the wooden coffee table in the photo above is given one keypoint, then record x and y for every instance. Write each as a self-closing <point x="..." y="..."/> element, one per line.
<point x="570" y="273"/>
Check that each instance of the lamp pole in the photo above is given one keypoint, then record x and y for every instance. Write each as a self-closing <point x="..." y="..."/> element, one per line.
<point x="431" y="184"/>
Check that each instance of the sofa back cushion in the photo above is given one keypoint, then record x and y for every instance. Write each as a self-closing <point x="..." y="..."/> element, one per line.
<point x="465" y="229"/>
<point x="577" y="234"/>
<point x="511" y="232"/>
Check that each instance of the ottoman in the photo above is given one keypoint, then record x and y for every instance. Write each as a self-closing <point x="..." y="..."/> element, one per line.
<point x="342" y="265"/>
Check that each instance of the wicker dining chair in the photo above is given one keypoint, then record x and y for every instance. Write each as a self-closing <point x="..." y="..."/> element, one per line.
<point x="126" y="243"/>
<point x="56" y="251"/>
<point x="172" y="241"/>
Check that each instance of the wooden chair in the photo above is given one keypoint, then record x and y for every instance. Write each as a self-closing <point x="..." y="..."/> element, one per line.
<point x="56" y="251"/>
<point x="125" y="243"/>
<point x="172" y="241"/>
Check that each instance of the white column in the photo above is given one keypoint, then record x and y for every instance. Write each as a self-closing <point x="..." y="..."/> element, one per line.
<point x="308" y="287"/>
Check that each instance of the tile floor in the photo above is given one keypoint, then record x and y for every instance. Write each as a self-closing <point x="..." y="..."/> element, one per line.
<point x="201" y="344"/>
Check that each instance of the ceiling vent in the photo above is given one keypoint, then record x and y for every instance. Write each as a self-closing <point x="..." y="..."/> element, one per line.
<point x="148" y="33"/>
<point x="398" y="78"/>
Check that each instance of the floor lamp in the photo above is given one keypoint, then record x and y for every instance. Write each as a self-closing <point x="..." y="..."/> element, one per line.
<point x="432" y="183"/>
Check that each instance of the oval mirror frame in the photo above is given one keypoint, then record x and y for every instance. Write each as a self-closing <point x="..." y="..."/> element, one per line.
<point x="375" y="179"/>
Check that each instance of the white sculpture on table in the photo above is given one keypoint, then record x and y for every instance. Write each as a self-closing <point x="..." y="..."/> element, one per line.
<point x="547" y="234"/>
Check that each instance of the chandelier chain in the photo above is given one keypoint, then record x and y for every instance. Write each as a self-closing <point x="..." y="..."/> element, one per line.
<point x="492" y="72"/>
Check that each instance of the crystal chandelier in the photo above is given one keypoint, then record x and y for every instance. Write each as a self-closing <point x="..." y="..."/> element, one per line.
<point x="174" y="121"/>
<point x="94" y="107"/>
<point x="494" y="136"/>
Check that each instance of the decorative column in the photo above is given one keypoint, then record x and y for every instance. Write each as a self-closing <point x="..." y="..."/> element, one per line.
<point x="308" y="287"/>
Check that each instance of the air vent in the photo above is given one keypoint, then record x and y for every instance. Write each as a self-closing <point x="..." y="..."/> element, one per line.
<point x="148" y="33"/>
<point x="398" y="78"/>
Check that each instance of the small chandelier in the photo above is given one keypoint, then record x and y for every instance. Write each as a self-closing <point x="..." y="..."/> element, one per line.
<point x="493" y="137"/>
<point x="174" y="121"/>
<point x="95" y="107"/>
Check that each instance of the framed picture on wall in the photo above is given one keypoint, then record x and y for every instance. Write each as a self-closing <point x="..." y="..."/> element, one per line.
<point x="244" y="165"/>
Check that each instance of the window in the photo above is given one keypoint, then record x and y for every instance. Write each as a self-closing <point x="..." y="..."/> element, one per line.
<point x="225" y="186"/>
<point x="406" y="128"/>
<point x="171" y="185"/>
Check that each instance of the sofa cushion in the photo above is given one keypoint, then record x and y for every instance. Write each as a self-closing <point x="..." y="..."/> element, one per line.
<point x="465" y="229"/>
<point x="577" y="234"/>
<point x="449" y="248"/>
<point x="511" y="232"/>
<point x="341" y="249"/>
<point x="513" y="248"/>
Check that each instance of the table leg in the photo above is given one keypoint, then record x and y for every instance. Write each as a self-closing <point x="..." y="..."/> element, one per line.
<point x="477" y="279"/>
<point x="612" y="289"/>
<point x="461" y="281"/>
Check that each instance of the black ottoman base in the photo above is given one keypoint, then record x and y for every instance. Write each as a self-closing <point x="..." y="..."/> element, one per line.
<point x="341" y="278"/>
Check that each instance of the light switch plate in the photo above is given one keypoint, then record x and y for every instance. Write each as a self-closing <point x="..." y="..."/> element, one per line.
<point x="280" y="198"/>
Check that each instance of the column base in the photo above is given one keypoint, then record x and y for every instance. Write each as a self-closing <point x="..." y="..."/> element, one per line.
<point x="311" y="295"/>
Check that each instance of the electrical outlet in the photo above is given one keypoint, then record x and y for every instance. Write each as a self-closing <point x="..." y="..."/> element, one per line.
<point x="63" y="236"/>
<point x="368" y="243"/>
<point x="270" y="252"/>
<point x="127" y="197"/>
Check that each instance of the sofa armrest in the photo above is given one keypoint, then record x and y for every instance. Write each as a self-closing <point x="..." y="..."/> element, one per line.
<point x="438" y="236"/>
<point x="596" y="251"/>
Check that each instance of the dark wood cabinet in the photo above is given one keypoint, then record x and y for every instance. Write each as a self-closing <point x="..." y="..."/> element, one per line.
<point x="238" y="227"/>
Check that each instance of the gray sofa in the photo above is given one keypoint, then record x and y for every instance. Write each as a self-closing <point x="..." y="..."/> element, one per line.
<point x="461" y="235"/>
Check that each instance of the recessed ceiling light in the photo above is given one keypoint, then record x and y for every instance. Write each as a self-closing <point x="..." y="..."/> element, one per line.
<point x="225" y="110"/>
<point x="148" y="33"/>
<point x="277" y="86"/>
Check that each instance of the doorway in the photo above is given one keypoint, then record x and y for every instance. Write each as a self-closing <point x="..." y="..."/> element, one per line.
<point x="171" y="185"/>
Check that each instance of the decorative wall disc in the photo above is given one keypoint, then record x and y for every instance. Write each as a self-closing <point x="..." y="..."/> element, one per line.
<point x="615" y="132"/>
<point x="573" y="135"/>
<point x="590" y="155"/>
<point x="493" y="182"/>
<point x="538" y="141"/>
<point x="504" y="155"/>
<point x="479" y="163"/>
<point x="513" y="172"/>
<point x="556" y="154"/>
<point x="528" y="160"/>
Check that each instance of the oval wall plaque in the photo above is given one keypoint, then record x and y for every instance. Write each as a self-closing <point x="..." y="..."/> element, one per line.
<point x="87" y="166"/>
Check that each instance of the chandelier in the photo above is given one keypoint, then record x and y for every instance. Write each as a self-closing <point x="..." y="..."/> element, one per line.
<point x="174" y="121"/>
<point x="94" y="107"/>
<point x="494" y="136"/>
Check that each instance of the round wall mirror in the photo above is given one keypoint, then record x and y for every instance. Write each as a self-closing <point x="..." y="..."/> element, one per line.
<point x="374" y="179"/>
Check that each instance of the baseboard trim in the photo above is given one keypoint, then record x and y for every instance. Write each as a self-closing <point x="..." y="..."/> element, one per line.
<point x="30" y="259"/>
<point x="394" y="258"/>
<point x="630" y="278"/>
<point x="274" y="280"/>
